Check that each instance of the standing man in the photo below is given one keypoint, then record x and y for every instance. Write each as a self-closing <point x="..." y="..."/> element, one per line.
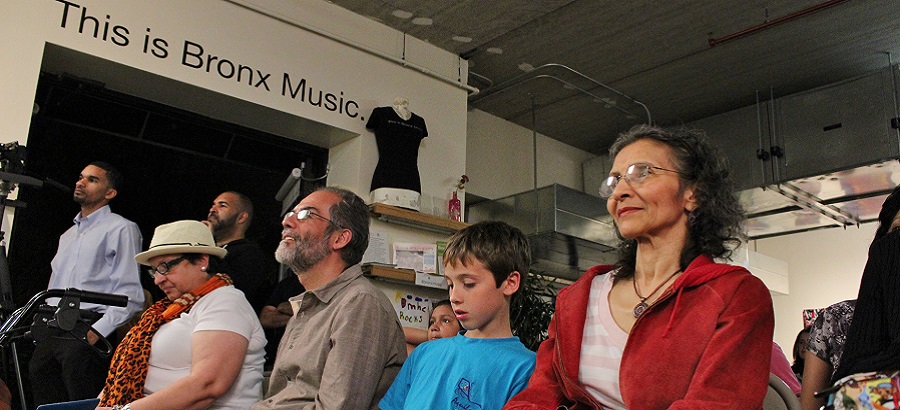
<point x="344" y="345"/>
<point x="96" y="254"/>
<point x="251" y="270"/>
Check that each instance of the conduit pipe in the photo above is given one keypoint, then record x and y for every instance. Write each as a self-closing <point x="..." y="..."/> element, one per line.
<point x="759" y="27"/>
<point x="532" y="75"/>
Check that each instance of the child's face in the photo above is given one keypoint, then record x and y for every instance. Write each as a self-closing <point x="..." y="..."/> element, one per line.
<point x="481" y="307"/>
<point x="443" y="323"/>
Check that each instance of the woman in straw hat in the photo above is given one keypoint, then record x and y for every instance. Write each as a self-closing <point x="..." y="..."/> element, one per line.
<point x="201" y="346"/>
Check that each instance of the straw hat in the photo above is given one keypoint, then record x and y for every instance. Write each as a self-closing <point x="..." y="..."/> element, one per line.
<point x="181" y="237"/>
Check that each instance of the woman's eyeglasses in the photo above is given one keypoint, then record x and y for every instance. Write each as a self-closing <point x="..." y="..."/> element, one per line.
<point x="165" y="267"/>
<point x="634" y="174"/>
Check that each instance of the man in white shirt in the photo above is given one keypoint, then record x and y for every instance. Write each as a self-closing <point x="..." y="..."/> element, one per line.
<point x="96" y="254"/>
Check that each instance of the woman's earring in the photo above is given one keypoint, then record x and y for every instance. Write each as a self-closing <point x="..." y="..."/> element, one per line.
<point x="692" y="217"/>
<point x="203" y="268"/>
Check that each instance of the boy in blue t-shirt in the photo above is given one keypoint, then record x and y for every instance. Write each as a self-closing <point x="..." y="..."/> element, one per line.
<point x="485" y="265"/>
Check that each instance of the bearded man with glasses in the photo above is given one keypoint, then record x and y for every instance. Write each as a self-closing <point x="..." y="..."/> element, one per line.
<point x="344" y="345"/>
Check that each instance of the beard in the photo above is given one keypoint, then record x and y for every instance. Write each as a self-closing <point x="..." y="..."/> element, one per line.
<point x="219" y="224"/>
<point x="304" y="254"/>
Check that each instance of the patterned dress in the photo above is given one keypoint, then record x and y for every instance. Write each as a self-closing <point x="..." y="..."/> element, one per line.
<point x="829" y="333"/>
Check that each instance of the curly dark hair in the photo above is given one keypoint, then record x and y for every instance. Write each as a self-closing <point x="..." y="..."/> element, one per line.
<point x="717" y="223"/>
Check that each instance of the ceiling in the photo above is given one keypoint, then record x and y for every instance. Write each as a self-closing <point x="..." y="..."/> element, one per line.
<point x="589" y="60"/>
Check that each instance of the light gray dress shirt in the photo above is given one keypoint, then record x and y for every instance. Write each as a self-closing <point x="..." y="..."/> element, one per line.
<point x="97" y="254"/>
<point x="341" y="350"/>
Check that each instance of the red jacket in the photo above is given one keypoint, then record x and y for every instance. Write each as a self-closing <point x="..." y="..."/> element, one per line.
<point x="704" y="344"/>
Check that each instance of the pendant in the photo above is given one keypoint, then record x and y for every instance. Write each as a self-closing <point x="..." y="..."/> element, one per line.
<point x="639" y="309"/>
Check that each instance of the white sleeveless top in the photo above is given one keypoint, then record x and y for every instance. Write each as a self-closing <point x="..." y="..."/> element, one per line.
<point x="601" y="347"/>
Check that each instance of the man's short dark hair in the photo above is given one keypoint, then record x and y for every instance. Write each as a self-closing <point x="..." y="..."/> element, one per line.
<point x="503" y="249"/>
<point x="115" y="178"/>
<point x="244" y="204"/>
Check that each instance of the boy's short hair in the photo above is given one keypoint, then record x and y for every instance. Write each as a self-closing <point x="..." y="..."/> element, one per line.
<point x="502" y="249"/>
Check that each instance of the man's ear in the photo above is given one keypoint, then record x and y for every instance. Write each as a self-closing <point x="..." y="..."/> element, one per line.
<point x="242" y="217"/>
<point x="511" y="284"/>
<point x="342" y="239"/>
<point x="110" y="194"/>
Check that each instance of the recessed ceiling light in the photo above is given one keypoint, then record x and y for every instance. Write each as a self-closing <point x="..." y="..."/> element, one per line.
<point x="526" y="67"/>
<point x="402" y="14"/>
<point x="495" y="50"/>
<point x="422" y="21"/>
<point x="462" y="39"/>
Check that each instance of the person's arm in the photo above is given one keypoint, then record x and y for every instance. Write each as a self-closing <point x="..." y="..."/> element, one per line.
<point x="737" y="356"/>
<point x="414" y="337"/>
<point x="361" y="340"/>
<point x="216" y="360"/>
<point x="816" y="377"/>
<point x="272" y="317"/>
<point x="395" y="398"/>
<point x="544" y="390"/>
<point x="781" y="367"/>
<point x="124" y="277"/>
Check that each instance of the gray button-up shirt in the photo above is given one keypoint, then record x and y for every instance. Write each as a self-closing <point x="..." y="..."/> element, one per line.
<point x="341" y="350"/>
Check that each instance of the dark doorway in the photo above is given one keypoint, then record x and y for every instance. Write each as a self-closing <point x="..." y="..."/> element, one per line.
<point x="175" y="163"/>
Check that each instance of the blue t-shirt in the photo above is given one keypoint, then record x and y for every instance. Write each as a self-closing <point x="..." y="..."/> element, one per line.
<point x="461" y="373"/>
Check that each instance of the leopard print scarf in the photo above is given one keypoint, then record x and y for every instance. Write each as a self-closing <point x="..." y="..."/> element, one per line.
<point x="128" y="370"/>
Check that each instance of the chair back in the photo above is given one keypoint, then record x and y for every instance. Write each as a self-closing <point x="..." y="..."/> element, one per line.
<point x="780" y="396"/>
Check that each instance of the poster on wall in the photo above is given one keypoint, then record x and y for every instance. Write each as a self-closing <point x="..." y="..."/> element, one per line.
<point x="419" y="257"/>
<point x="412" y="310"/>
<point x="810" y="315"/>
<point x="378" y="250"/>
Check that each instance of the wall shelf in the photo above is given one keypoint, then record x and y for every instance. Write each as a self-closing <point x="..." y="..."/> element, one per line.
<point x="415" y="219"/>
<point x="391" y="273"/>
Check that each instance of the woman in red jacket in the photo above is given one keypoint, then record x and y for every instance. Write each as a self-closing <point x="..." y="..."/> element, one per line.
<point x="666" y="327"/>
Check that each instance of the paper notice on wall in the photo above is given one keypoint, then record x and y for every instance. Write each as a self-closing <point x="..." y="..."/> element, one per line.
<point x="378" y="250"/>
<point x="419" y="257"/>
<point x="431" y="280"/>
<point x="412" y="310"/>
<point x="441" y="247"/>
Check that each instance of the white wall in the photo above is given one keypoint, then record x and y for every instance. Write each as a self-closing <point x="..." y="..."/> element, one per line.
<point x="825" y="267"/>
<point x="360" y="63"/>
<point x="500" y="159"/>
<point x="278" y="46"/>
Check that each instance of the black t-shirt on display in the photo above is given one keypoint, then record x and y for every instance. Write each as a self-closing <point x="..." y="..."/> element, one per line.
<point x="398" y="149"/>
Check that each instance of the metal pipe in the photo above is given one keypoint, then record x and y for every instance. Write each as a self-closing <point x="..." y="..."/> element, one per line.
<point x="894" y="95"/>
<point x="575" y="87"/>
<point x="530" y="75"/>
<point x="759" y="27"/>
<point x="534" y="157"/>
<point x="760" y="152"/>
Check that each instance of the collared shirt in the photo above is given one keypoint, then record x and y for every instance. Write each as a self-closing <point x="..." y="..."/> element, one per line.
<point x="97" y="254"/>
<point x="341" y="350"/>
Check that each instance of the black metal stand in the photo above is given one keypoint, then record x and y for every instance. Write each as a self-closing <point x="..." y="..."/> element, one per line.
<point x="66" y="316"/>
<point x="8" y="182"/>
